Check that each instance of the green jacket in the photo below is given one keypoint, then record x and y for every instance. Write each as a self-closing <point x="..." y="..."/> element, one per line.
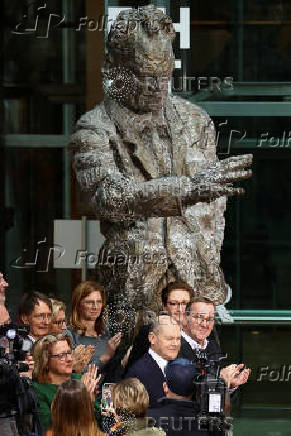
<point x="46" y="393"/>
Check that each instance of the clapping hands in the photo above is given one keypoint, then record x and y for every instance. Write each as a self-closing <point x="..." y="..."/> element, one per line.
<point x="111" y="347"/>
<point x="235" y="375"/>
<point x="91" y="380"/>
<point x="81" y="357"/>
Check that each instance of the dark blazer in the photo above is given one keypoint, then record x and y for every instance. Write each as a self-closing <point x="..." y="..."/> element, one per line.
<point x="213" y="350"/>
<point x="177" y="417"/>
<point x="140" y="344"/>
<point x="151" y="376"/>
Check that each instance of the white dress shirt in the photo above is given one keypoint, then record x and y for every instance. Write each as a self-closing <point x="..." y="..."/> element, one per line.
<point x="161" y="362"/>
<point x="193" y="344"/>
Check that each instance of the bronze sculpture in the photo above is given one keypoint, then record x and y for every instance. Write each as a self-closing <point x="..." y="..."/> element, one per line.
<point x="148" y="159"/>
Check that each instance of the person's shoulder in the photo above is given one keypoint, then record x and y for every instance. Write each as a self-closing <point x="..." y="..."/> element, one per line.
<point x="70" y="331"/>
<point x="185" y="350"/>
<point x="73" y="335"/>
<point x="93" y="130"/>
<point x="189" y="111"/>
<point x="89" y="117"/>
<point x="96" y="119"/>
<point x="40" y="386"/>
<point x="44" y="390"/>
<point x="143" y="363"/>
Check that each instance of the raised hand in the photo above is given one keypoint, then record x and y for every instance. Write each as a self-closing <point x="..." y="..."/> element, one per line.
<point x="91" y="380"/>
<point x="81" y="357"/>
<point x="235" y="375"/>
<point x="240" y="377"/>
<point x="124" y="361"/>
<point x="111" y="347"/>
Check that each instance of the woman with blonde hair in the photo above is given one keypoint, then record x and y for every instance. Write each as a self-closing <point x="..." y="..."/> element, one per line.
<point x="131" y="402"/>
<point x="59" y="323"/>
<point x="73" y="411"/>
<point x="53" y="365"/>
<point x="87" y="325"/>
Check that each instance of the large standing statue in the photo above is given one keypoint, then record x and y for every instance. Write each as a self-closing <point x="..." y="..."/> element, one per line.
<point x="148" y="160"/>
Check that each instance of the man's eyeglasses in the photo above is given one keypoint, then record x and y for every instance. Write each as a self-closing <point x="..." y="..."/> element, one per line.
<point x="176" y="303"/>
<point x="60" y="322"/>
<point x="61" y="356"/>
<point x="92" y="303"/>
<point x="201" y="318"/>
<point x="43" y="316"/>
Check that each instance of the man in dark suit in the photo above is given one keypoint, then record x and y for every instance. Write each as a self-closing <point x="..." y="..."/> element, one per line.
<point x="175" y="297"/>
<point x="176" y="412"/>
<point x="196" y="337"/>
<point x="164" y="338"/>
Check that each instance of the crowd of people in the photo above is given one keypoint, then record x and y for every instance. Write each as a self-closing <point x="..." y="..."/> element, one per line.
<point x="151" y="383"/>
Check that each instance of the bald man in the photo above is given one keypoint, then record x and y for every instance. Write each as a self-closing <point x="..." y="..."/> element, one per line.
<point x="165" y="341"/>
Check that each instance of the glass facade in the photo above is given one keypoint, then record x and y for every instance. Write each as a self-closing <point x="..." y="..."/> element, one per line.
<point x="237" y="68"/>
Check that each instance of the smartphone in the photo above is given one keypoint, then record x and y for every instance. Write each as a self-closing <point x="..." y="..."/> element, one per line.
<point x="106" y="400"/>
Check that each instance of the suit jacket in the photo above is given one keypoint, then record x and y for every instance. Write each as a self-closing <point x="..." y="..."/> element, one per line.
<point x="143" y="196"/>
<point x="151" y="376"/>
<point x="140" y="344"/>
<point x="213" y="350"/>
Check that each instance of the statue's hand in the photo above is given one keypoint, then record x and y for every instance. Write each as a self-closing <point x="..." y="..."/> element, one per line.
<point x="216" y="180"/>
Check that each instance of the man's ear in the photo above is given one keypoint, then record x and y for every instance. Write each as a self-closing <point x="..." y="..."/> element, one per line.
<point x="151" y="337"/>
<point x="165" y="387"/>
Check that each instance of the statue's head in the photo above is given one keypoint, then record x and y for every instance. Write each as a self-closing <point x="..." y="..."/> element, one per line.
<point x="140" y="54"/>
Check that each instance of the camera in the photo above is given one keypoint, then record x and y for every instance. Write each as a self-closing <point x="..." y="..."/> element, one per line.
<point x="18" y="402"/>
<point x="213" y="395"/>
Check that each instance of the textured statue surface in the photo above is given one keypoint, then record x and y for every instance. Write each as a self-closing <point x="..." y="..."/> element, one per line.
<point x="148" y="160"/>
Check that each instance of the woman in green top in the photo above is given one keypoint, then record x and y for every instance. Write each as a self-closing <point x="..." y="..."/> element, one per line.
<point x="53" y="365"/>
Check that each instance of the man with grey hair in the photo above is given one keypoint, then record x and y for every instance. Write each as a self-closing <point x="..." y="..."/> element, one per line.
<point x="164" y="337"/>
<point x="148" y="161"/>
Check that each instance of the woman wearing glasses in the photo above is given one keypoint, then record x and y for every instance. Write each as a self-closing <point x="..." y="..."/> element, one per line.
<point x="59" y="323"/>
<point x="53" y="365"/>
<point x="87" y="326"/>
